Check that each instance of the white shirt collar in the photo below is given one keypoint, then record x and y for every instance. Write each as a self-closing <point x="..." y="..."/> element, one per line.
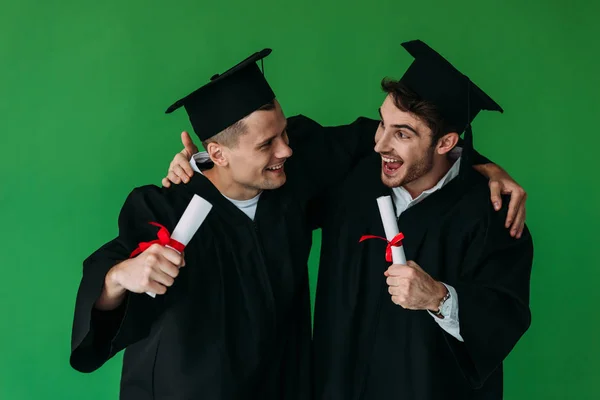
<point x="201" y="157"/>
<point x="403" y="200"/>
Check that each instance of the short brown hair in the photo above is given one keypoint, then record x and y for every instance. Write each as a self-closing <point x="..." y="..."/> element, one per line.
<point x="230" y="136"/>
<point x="409" y="101"/>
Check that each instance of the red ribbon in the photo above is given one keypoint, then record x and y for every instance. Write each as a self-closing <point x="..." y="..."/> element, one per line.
<point x="164" y="238"/>
<point x="395" y="242"/>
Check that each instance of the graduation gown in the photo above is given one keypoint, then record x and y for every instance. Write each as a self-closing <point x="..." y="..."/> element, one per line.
<point x="365" y="346"/>
<point x="236" y="323"/>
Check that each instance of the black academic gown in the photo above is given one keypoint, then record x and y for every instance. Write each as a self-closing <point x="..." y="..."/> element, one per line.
<point x="365" y="346"/>
<point x="236" y="323"/>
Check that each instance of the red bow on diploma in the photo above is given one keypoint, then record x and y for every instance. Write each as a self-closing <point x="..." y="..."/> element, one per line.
<point x="164" y="238"/>
<point x="395" y="242"/>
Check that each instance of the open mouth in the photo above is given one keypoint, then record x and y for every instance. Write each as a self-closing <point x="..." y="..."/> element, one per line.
<point x="276" y="168"/>
<point x="390" y="165"/>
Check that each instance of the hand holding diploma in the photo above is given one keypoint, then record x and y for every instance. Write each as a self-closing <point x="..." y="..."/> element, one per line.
<point x="408" y="284"/>
<point x="154" y="265"/>
<point x="189" y="223"/>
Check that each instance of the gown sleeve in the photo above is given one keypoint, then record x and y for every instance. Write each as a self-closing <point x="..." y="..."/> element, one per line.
<point x="98" y="335"/>
<point x="493" y="297"/>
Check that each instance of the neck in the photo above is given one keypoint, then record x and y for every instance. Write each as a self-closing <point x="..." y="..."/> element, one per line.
<point x="430" y="179"/>
<point x="228" y="188"/>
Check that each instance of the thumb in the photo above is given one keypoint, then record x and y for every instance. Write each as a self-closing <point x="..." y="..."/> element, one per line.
<point x="188" y="144"/>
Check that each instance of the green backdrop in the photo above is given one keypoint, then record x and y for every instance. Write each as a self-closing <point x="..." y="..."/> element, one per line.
<point x="84" y="86"/>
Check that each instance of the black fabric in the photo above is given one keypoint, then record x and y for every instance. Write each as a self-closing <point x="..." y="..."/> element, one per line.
<point x="435" y="80"/>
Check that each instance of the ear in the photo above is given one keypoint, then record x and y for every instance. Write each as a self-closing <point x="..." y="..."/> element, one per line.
<point x="217" y="154"/>
<point x="447" y="143"/>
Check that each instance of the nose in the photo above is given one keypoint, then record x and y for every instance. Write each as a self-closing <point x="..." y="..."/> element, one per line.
<point x="283" y="150"/>
<point x="383" y="144"/>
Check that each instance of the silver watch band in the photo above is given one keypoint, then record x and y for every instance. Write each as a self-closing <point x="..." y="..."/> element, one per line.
<point x="439" y="313"/>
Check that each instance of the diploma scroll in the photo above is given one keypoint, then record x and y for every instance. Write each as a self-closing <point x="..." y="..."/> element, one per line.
<point x="189" y="223"/>
<point x="386" y="209"/>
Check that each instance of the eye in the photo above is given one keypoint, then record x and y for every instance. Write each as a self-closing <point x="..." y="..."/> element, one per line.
<point x="402" y="135"/>
<point x="381" y="124"/>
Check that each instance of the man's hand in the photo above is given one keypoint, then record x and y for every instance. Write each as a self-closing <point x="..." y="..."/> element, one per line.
<point x="502" y="183"/>
<point x="180" y="168"/>
<point x="412" y="288"/>
<point x="154" y="271"/>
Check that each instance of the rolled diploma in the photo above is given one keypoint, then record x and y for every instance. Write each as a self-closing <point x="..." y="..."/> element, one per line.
<point x="386" y="209"/>
<point x="189" y="223"/>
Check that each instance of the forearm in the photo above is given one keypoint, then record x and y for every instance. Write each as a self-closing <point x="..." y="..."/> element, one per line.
<point x="489" y="169"/>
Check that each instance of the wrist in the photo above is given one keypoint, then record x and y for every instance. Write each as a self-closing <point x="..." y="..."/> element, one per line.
<point x="113" y="292"/>
<point x="111" y="281"/>
<point x="436" y="301"/>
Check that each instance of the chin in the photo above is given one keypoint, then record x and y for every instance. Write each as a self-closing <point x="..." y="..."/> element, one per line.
<point x="272" y="184"/>
<point x="280" y="182"/>
<point x="391" y="182"/>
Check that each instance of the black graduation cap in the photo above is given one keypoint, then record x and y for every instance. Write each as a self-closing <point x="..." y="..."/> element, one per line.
<point x="227" y="98"/>
<point x="434" y="79"/>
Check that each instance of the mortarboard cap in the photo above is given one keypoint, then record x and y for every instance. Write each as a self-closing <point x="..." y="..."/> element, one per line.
<point x="227" y="98"/>
<point x="435" y="80"/>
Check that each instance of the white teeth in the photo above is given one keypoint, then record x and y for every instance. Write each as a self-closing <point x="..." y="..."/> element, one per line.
<point x="389" y="160"/>
<point x="276" y="167"/>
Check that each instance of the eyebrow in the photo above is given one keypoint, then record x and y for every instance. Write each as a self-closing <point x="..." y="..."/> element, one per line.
<point x="267" y="140"/>
<point x="401" y="126"/>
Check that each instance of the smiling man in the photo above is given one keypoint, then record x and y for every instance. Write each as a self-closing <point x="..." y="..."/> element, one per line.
<point x="440" y="326"/>
<point x="234" y="323"/>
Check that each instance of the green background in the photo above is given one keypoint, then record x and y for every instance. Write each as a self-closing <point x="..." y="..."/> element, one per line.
<point x="84" y="86"/>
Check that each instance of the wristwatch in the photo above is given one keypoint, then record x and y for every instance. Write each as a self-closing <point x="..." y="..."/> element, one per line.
<point x="444" y="307"/>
